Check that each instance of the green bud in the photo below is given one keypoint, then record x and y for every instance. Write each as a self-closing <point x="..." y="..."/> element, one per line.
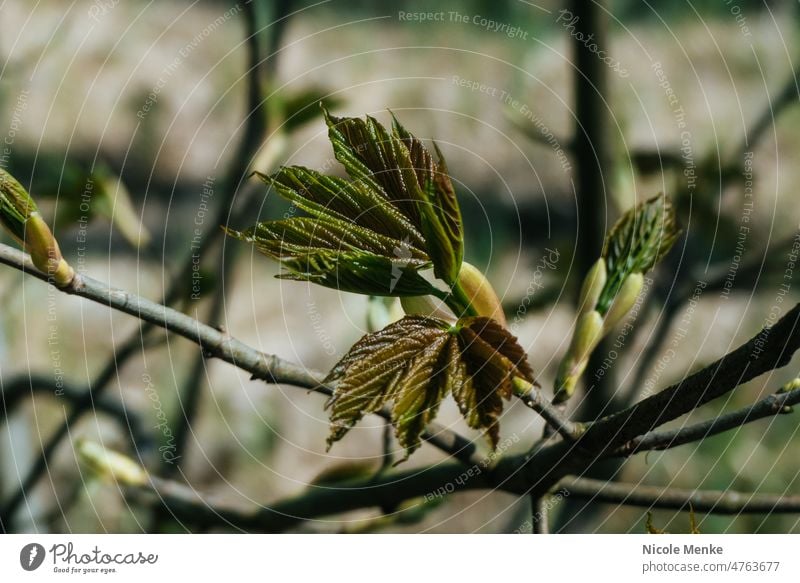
<point x="480" y="293"/>
<point x="624" y="300"/>
<point x="16" y="205"/>
<point x="592" y="287"/>
<point x="110" y="465"/>
<point x="20" y="216"/>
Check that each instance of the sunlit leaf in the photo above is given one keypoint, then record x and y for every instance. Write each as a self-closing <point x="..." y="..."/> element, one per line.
<point x="415" y="363"/>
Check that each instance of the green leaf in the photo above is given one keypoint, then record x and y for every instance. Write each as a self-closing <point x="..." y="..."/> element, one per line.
<point x="374" y="234"/>
<point x="359" y="272"/>
<point x="401" y="165"/>
<point x="299" y="236"/>
<point x="373" y="378"/>
<point x="638" y="241"/>
<point x="420" y="392"/>
<point x="330" y="197"/>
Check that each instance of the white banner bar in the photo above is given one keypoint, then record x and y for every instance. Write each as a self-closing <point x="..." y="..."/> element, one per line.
<point x="388" y="558"/>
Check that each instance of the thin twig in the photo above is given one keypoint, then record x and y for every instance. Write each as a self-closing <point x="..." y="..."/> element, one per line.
<point x="216" y="344"/>
<point x="769" y="406"/>
<point x="15" y="390"/>
<point x="772" y="348"/>
<point x="711" y="501"/>
<point x="533" y="398"/>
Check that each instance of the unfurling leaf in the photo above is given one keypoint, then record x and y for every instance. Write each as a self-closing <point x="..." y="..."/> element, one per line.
<point x="414" y="363"/>
<point x="16" y="205"/>
<point x="374" y="234"/>
<point x="639" y="239"/>
<point x="20" y="217"/>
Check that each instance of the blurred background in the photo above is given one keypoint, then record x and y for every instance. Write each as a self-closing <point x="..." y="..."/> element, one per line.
<point x="135" y="125"/>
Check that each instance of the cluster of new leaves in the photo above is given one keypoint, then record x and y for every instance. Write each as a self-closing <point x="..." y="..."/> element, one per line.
<point x="373" y="234"/>
<point x="637" y="242"/>
<point x="415" y="363"/>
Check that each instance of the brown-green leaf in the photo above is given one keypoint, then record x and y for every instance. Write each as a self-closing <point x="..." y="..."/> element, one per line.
<point x="415" y="363"/>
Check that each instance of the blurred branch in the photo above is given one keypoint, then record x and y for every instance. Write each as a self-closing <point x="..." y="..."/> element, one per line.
<point x="15" y="390"/>
<point x="256" y="123"/>
<point x="86" y="402"/>
<point x="787" y="96"/>
<point x="748" y="275"/>
<point x="710" y="501"/>
<point x="769" y="406"/>
<point x="185" y="505"/>
<point x="214" y="343"/>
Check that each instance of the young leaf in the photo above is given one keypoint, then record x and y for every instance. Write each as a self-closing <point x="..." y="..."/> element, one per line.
<point x="639" y="239"/>
<point x="372" y="235"/>
<point x="415" y="362"/>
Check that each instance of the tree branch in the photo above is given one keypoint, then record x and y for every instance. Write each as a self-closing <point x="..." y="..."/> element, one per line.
<point x="217" y="344"/>
<point x="185" y="505"/>
<point x="660" y="440"/>
<point x="534" y="399"/>
<point x="772" y="348"/>
<point x="710" y="501"/>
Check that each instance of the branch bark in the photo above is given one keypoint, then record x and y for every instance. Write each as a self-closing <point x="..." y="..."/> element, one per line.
<point x="711" y="501"/>
<point x="769" y="406"/>
<point x="217" y="344"/>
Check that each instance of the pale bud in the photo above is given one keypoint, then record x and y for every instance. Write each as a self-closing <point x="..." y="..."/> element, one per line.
<point x="587" y="334"/>
<point x="625" y="299"/>
<point x="592" y="287"/>
<point x="111" y="465"/>
<point x="480" y="293"/>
